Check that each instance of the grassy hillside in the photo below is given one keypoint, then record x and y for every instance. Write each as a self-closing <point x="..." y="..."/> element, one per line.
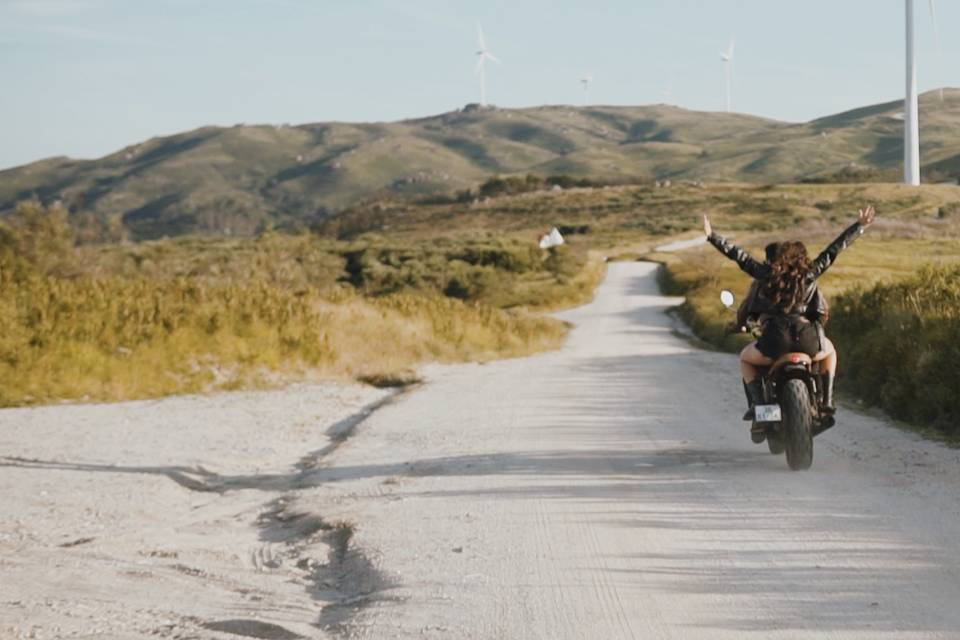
<point x="242" y="179"/>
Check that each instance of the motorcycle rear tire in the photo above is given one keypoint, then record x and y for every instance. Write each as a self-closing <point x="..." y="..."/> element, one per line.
<point x="797" y="424"/>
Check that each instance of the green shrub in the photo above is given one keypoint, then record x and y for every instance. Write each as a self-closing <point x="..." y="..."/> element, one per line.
<point x="515" y="257"/>
<point x="36" y="241"/>
<point x="901" y="346"/>
<point x="510" y="185"/>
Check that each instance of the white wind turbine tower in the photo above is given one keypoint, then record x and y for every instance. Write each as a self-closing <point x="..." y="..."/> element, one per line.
<point x="727" y="58"/>
<point x="482" y="56"/>
<point x="911" y="111"/>
<point x="585" y="81"/>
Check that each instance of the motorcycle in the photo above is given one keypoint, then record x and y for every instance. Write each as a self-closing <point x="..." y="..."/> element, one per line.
<point x="791" y="415"/>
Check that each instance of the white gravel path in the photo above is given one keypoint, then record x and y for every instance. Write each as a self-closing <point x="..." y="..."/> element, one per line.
<point x="610" y="490"/>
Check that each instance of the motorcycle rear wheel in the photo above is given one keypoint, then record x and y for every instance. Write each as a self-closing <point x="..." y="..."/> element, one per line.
<point x="797" y="424"/>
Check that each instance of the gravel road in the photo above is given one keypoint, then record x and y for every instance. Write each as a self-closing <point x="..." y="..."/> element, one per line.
<point x="606" y="490"/>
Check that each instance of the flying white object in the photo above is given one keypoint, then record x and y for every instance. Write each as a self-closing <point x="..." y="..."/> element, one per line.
<point x="483" y="54"/>
<point x="911" y="125"/>
<point x="552" y="239"/>
<point x="727" y="58"/>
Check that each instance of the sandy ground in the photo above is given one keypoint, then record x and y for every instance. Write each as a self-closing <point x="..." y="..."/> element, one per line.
<point x="607" y="490"/>
<point x="167" y="518"/>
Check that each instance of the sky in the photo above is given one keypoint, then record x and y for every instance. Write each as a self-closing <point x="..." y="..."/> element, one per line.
<point x="83" y="78"/>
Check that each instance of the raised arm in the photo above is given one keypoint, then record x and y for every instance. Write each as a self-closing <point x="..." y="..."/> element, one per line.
<point x="747" y="264"/>
<point x="829" y="255"/>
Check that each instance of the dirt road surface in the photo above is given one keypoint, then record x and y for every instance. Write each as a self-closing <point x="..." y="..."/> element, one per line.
<point x="606" y="490"/>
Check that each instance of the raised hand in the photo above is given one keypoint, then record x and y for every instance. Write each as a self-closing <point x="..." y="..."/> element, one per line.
<point x="866" y="216"/>
<point x="707" y="229"/>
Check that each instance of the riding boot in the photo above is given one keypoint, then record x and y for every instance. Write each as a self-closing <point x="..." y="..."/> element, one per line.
<point x="754" y="391"/>
<point x="827" y="405"/>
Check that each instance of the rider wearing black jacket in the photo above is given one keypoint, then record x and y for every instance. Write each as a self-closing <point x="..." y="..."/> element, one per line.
<point x="793" y="328"/>
<point x="760" y="270"/>
<point x="817" y="311"/>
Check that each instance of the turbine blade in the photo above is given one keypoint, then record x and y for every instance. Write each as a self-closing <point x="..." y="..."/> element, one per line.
<point x="730" y="50"/>
<point x="483" y="45"/>
<point x="936" y="30"/>
<point x="479" y="66"/>
<point x="487" y="54"/>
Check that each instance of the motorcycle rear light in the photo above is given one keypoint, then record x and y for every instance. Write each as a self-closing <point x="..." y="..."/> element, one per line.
<point x="794" y="359"/>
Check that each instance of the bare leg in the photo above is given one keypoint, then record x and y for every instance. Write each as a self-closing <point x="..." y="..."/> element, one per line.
<point x="750" y="359"/>
<point x="828" y="358"/>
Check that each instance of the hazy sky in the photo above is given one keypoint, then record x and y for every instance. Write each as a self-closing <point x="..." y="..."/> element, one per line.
<point x="86" y="77"/>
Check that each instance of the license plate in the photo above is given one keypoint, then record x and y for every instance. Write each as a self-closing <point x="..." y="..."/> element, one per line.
<point x="767" y="413"/>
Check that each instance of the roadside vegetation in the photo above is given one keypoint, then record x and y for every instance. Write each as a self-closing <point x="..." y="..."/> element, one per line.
<point x="132" y="321"/>
<point x="370" y="293"/>
<point x="902" y="346"/>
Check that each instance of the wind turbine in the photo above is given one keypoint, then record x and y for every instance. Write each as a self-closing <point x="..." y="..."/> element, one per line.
<point x="668" y="94"/>
<point x="727" y="58"/>
<point x="911" y="110"/>
<point x="936" y="37"/>
<point x="585" y="81"/>
<point x="483" y="54"/>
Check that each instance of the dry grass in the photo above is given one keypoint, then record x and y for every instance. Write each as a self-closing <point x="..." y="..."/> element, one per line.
<point x="151" y="320"/>
<point x="111" y="339"/>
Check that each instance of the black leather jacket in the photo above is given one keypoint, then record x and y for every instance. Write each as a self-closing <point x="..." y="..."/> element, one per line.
<point x="817" y="311"/>
<point x="760" y="270"/>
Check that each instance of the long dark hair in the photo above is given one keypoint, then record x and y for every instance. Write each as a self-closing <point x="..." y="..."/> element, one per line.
<point x="785" y="285"/>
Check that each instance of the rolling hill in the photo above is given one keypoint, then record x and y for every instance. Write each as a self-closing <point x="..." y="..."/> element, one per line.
<point x="239" y="179"/>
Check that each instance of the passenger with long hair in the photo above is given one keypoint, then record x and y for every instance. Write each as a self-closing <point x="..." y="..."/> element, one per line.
<point x="787" y="289"/>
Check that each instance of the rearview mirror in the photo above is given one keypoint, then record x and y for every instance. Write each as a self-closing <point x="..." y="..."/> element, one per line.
<point x="726" y="298"/>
